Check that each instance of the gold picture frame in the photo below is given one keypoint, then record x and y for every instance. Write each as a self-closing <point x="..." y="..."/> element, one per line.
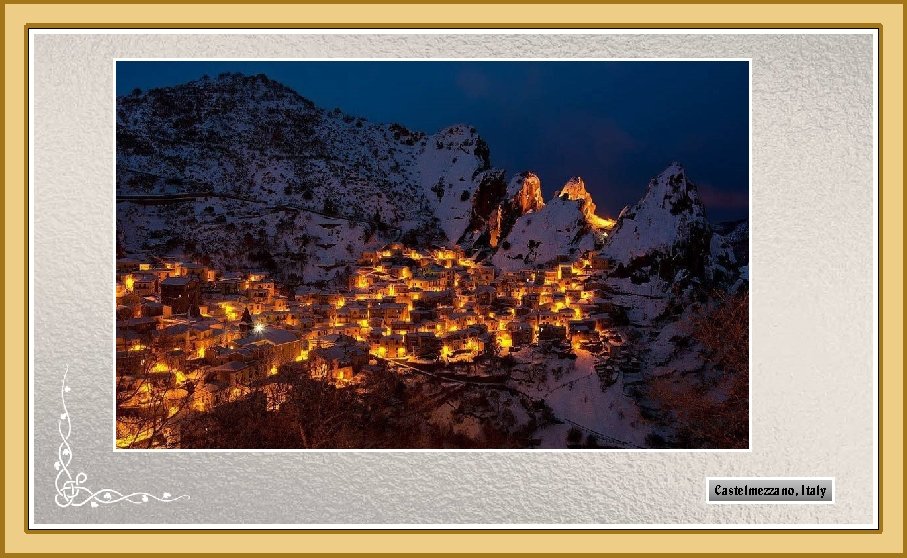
<point x="887" y="17"/>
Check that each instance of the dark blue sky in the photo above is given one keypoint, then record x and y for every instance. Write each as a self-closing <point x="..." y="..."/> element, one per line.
<point x="616" y="124"/>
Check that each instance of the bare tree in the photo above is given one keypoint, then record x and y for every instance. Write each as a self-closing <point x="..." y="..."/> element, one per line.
<point x="153" y="392"/>
<point x="714" y="415"/>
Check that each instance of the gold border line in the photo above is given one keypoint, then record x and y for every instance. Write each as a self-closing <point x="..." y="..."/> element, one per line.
<point x="500" y="2"/>
<point x="28" y="27"/>
<point x="490" y="26"/>
<point x="429" y="26"/>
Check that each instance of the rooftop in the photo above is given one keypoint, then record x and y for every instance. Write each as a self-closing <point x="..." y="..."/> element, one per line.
<point x="273" y="335"/>
<point x="180" y="281"/>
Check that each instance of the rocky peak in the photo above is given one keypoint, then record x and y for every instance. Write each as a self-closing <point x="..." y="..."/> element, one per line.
<point x="575" y="190"/>
<point x="521" y="195"/>
<point x="669" y="213"/>
<point x="674" y="192"/>
<point x="525" y="192"/>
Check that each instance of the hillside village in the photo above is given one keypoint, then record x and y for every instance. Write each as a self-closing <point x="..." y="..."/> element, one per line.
<point x="229" y="335"/>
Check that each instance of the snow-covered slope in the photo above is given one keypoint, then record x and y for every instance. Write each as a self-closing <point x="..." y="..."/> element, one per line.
<point x="448" y="171"/>
<point x="312" y="187"/>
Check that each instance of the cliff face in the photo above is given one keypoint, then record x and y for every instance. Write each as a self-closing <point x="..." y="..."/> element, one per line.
<point x="525" y="193"/>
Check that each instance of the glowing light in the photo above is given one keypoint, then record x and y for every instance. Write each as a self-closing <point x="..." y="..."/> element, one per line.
<point x="259" y="328"/>
<point x="303" y="355"/>
<point x="230" y="311"/>
<point x="130" y="282"/>
<point x="272" y="371"/>
<point x="199" y="404"/>
<point x="201" y="352"/>
<point x="601" y="222"/>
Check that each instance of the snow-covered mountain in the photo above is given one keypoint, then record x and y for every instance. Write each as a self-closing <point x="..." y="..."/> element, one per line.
<point x="666" y="237"/>
<point x="248" y="166"/>
<point x="566" y="226"/>
<point x="669" y="212"/>
<point x="245" y="172"/>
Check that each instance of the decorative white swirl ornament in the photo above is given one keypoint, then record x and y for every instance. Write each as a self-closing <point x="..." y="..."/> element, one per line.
<point x="70" y="491"/>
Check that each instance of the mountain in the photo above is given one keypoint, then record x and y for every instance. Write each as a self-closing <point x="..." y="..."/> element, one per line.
<point x="244" y="165"/>
<point x="666" y="237"/>
<point x="566" y="226"/>
<point x="668" y="213"/>
<point x="244" y="172"/>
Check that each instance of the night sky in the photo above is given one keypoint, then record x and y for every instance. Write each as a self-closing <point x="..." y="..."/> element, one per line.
<point x="616" y="124"/>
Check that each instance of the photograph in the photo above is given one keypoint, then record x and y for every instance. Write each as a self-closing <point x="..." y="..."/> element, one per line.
<point x="531" y="255"/>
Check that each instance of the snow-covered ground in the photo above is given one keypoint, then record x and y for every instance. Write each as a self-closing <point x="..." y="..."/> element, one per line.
<point x="575" y="394"/>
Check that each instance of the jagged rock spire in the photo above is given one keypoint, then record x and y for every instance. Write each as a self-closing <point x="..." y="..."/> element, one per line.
<point x="525" y="192"/>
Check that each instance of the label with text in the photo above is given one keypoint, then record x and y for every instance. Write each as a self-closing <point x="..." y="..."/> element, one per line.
<point x="761" y="490"/>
